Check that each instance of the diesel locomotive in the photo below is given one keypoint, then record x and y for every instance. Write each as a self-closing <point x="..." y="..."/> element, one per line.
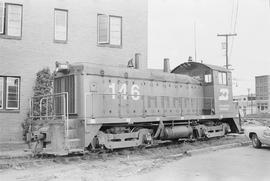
<point x="97" y="106"/>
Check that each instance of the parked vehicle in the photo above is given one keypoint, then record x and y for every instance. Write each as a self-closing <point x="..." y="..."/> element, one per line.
<point x="258" y="133"/>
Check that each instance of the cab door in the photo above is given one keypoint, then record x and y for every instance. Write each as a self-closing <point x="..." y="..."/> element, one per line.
<point x="208" y="92"/>
<point x="223" y="92"/>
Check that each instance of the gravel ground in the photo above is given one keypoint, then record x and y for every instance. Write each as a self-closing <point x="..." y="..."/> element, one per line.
<point x="104" y="166"/>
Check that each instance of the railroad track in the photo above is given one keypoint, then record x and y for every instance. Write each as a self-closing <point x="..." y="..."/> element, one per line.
<point x="101" y="153"/>
<point x="156" y="151"/>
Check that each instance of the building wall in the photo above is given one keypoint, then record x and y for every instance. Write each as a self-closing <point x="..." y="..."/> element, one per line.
<point x="263" y="93"/>
<point x="246" y="104"/>
<point x="37" y="48"/>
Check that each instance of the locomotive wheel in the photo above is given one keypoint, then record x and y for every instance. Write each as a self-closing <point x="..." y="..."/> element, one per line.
<point x="255" y="141"/>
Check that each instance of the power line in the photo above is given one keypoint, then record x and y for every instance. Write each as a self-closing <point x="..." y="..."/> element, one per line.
<point x="235" y="25"/>
<point x="236" y="16"/>
<point x="232" y="16"/>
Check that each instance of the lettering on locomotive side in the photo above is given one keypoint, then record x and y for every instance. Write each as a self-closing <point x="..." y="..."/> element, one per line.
<point x="224" y="107"/>
<point x="123" y="91"/>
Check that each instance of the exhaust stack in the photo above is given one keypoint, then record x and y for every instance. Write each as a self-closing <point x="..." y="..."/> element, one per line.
<point x="137" y="60"/>
<point x="166" y="67"/>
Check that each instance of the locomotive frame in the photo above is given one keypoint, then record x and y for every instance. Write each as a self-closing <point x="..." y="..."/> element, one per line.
<point x="112" y="107"/>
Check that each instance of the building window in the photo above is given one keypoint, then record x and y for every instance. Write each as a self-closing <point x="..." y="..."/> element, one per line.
<point x="222" y="78"/>
<point x="60" y="25"/>
<point x="9" y="93"/>
<point x="11" y="20"/>
<point x="109" y="30"/>
<point x="1" y="92"/>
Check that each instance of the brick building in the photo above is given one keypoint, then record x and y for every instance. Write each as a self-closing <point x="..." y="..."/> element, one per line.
<point x="35" y="34"/>
<point x="263" y="93"/>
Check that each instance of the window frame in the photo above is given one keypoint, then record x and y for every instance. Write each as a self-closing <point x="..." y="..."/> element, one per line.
<point x="208" y="78"/>
<point x="2" y="92"/>
<point x="108" y="43"/>
<point x="221" y="78"/>
<point x="2" y="30"/>
<point x="5" y="107"/>
<point x="54" y="26"/>
<point x="7" y="94"/>
<point x="98" y="30"/>
<point x="5" y="19"/>
<point x="121" y="25"/>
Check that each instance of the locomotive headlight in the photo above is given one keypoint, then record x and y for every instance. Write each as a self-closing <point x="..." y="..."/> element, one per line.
<point x="62" y="67"/>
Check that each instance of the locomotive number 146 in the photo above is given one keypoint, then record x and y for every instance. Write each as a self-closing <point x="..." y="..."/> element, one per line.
<point x="123" y="90"/>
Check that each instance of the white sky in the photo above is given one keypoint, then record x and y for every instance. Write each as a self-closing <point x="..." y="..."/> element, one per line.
<point x="171" y="34"/>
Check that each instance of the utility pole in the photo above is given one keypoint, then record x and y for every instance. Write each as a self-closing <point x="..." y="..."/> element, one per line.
<point x="227" y="54"/>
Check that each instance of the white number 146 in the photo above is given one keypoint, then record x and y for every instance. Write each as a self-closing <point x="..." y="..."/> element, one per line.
<point x="134" y="92"/>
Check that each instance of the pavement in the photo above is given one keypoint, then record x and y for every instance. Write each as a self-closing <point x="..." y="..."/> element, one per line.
<point x="212" y="148"/>
<point x="235" y="164"/>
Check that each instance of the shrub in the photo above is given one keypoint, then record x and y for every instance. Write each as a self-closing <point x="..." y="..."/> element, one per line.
<point x="43" y="86"/>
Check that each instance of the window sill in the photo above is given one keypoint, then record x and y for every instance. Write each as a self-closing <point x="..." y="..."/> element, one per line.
<point x="60" y="41"/>
<point x="11" y="37"/>
<point x="110" y="46"/>
<point x="9" y="111"/>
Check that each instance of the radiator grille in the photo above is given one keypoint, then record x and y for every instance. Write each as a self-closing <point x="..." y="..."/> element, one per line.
<point x="65" y="84"/>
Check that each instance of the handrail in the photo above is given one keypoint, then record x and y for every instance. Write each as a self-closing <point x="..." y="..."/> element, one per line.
<point x="47" y="98"/>
<point x="64" y="116"/>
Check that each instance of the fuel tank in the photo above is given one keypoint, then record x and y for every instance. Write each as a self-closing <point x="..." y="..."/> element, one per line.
<point x="176" y="132"/>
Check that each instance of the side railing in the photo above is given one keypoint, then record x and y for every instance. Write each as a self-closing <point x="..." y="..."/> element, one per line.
<point x="123" y="105"/>
<point x="50" y="107"/>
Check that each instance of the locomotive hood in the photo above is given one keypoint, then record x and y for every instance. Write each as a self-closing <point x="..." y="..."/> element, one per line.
<point x="115" y="71"/>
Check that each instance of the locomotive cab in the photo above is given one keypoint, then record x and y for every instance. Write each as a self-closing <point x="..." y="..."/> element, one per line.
<point x="216" y="82"/>
<point x="217" y="85"/>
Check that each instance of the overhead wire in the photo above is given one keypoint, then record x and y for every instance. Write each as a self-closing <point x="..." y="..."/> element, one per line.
<point x="232" y="16"/>
<point x="233" y="29"/>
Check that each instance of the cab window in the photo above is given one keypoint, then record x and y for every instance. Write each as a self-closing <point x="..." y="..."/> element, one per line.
<point x="208" y="78"/>
<point x="222" y="78"/>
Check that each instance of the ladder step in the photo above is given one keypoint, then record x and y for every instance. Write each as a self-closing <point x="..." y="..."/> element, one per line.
<point x="76" y="150"/>
<point x="74" y="140"/>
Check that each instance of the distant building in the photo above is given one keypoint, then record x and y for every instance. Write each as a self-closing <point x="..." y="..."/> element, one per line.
<point x="35" y="34"/>
<point x="246" y="103"/>
<point x="263" y="93"/>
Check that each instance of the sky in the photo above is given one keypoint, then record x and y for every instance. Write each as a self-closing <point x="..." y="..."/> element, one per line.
<point x="174" y="24"/>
